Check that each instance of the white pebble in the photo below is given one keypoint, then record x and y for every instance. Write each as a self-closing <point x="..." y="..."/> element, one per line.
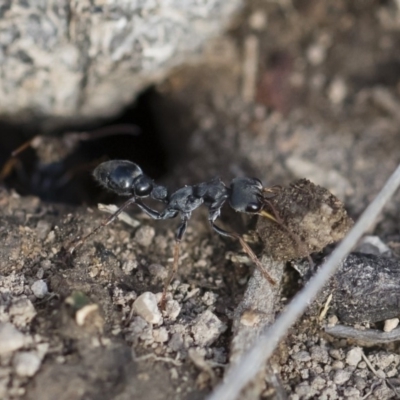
<point x="172" y="309"/>
<point x="337" y="91"/>
<point x="10" y="338"/>
<point x="258" y="20"/>
<point x="160" y="335"/>
<point x="26" y="363"/>
<point x="391" y="324"/>
<point x="129" y="266"/>
<point x="145" y="235"/>
<point x="316" y="54"/>
<point x="22" y="312"/>
<point x="158" y="271"/>
<point x="39" y="288"/>
<point x="354" y="356"/>
<point x="146" y="307"/>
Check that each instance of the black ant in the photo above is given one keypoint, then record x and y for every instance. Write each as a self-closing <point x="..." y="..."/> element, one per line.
<point x="126" y="178"/>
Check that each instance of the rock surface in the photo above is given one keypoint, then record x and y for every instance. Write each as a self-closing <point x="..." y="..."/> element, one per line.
<point x="90" y="58"/>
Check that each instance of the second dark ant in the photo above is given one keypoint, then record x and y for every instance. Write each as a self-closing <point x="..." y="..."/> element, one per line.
<point x="125" y="178"/>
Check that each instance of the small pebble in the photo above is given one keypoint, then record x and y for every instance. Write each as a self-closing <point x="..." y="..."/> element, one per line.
<point x="160" y="335"/>
<point x="373" y="245"/>
<point x="304" y="390"/>
<point x="353" y="357"/>
<point x="316" y="54"/>
<point x="318" y="383"/>
<point x="209" y="298"/>
<point x="39" y="288"/>
<point x="381" y="374"/>
<point x="333" y="320"/>
<point x="129" y="266"/>
<point x="40" y="273"/>
<point x="382" y="359"/>
<point x="360" y="383"/>
<point x="351" y="392"/>
<point x="337" y="91"/>
<point x="302" y="356"/>
<point x="172" y="309"/>
<point x="176" y="342"/>
<point x="138" y="325"/>
<point x="337" y="354"/>
<point x="146" y="307"/>
<point x="341" y="376"/>
<point x="305" y="373"/>
<point x="391" y="324"/>
<point x="250" y="318"/>
<point x="338" y="364"/>
<point x="329" y="393"/>
<point x="362" y="365"/>
<point x="26" y="363"/>
<point x="43" y="228"/>
<point x="158" y="271"/>
<point x="22" y="312"/>
<point x="319" y="354"/>
<point x="383" y="392"/>
<point x="145" y="235"/>
<point x="207" y="328"/>
<point x="258" y="20"/>
<point x="10" y="338"/>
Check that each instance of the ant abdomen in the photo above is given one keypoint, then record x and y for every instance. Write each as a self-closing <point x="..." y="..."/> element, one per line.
<point x="120" y="176"/>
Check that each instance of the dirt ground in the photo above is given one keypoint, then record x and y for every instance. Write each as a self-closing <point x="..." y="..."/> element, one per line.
<point x="294" y="89"/>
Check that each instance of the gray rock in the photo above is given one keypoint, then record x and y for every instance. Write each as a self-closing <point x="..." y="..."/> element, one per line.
<point x="90" y="59"/>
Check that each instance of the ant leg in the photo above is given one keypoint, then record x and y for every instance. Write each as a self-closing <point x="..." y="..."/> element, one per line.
<point x="106" y="222"/>
<point x="246" y="248"/>
<point x="178" y="237"/>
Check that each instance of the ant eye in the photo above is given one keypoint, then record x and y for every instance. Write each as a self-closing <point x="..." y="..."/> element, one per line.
<point x="253" y="207"/>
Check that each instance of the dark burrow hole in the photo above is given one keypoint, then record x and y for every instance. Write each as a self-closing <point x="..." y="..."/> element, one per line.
<point x="56" y="174"/>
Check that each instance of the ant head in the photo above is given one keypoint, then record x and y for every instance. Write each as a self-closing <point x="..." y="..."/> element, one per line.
<point x="246" y="195"/>
<point x="123" y="177"/>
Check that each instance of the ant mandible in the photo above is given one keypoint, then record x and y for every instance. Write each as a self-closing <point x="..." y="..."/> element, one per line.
<point x="126" y="178"/>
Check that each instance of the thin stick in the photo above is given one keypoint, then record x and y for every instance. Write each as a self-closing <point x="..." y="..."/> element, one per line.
<point x="247" y="368"/>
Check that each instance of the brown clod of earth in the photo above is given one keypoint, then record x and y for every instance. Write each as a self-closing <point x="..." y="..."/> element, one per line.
<point x="308" y="216"/>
